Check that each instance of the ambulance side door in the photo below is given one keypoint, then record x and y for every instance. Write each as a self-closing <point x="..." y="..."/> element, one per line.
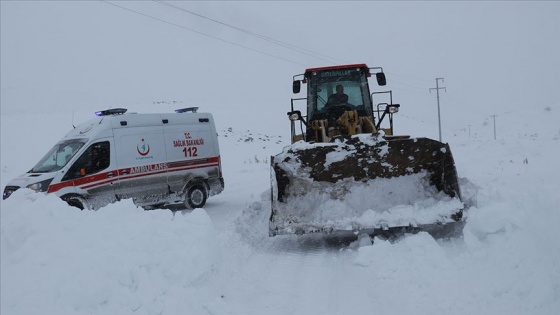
<point x="141" y="160"/>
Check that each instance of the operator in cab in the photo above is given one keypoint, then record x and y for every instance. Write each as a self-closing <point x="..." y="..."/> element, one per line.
<point x="338" y="98"/>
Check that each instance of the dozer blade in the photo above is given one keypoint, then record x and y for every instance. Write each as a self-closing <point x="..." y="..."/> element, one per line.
<point x="364" y="184"/>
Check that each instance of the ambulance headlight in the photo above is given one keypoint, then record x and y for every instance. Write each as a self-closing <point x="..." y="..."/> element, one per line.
<point x="8" y="191"/>
<point x="41" y="186"/>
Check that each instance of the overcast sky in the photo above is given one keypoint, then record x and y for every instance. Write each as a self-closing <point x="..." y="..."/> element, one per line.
<point x="495" y="57"/>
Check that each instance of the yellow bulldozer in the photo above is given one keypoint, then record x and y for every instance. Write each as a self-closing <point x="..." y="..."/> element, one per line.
<point x="346" y="171"/>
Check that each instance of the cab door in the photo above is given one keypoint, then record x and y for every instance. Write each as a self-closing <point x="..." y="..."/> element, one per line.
<point x="94" y="174"/>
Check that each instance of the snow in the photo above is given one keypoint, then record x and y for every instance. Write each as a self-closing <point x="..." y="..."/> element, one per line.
<point x="372" y="204"/>
<point x="219" y="260"/>
<point x="55" y="259"/>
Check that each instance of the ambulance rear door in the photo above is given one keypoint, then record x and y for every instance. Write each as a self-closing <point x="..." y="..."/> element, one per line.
<point x="191" y="149"/>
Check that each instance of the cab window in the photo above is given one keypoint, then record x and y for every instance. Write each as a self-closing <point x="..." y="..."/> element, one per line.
<point x="351" y="88"/>
<point x="94" y="159"/>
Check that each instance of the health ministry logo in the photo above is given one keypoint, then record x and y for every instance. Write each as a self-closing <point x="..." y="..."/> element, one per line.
<point x="143" y="148"/>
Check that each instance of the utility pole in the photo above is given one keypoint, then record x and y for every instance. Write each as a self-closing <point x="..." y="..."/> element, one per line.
<point x="494" y="116"/>
<point x="437" y="88"/>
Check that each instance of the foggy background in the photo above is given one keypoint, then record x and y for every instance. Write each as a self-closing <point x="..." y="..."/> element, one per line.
<point x="496" y="58"/>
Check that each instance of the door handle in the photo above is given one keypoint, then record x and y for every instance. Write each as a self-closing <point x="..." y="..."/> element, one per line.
<point x="110" y="174"/>
<point x="124" y="172"/>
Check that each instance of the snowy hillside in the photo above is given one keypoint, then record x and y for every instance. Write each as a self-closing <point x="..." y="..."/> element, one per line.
<point x="219" y="260"/>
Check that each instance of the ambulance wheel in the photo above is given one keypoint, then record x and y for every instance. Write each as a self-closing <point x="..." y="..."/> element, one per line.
<point x="196" y="196"/>
<point x="78" y="202"/>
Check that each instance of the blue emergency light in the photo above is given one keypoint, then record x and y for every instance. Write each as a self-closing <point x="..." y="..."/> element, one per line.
<point x="186" y="110"/>
<point x="112" y="111"/>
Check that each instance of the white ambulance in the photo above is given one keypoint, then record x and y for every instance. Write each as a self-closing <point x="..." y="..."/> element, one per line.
<point x="155" y="159"/>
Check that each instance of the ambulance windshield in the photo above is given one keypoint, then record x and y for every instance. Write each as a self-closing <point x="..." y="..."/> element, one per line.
<point x="58" y="156"/>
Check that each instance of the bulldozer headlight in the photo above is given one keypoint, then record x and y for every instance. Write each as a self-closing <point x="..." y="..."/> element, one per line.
<point x="294" y="115"/>
<point x="393" y="108"/>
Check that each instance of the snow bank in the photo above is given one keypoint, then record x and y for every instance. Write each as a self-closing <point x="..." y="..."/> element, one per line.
<point x="118" y="260"/>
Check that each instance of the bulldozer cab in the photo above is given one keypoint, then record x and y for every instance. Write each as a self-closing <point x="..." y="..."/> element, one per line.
<point x="339" y="102"/>
<point x="321" y="91"/>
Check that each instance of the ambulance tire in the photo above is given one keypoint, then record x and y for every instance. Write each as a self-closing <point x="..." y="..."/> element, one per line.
<point x="196" y="196"/>
<point x="77" y="201"/>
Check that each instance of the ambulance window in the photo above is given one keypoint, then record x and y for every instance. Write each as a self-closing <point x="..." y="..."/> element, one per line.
<point x="58" y="156"/>
<point x="95" y="159"/>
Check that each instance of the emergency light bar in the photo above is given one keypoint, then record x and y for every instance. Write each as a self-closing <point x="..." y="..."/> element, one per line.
<point x="186" y="110"/>
<point x="113" y="111"/>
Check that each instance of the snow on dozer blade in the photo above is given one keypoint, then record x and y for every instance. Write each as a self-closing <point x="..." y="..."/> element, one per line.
<point x="364" y="184"/>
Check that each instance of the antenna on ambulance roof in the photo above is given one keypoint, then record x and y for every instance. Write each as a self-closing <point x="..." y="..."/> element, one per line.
<point x="73" y="119"/>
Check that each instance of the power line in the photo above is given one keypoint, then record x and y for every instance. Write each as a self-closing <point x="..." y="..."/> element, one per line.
<point x="408" y="85"/>
<point x="407" y="77"/>
<point x="203" y="34"/>
<point x="301" y="50"/>
<point x="250" y="33"/>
